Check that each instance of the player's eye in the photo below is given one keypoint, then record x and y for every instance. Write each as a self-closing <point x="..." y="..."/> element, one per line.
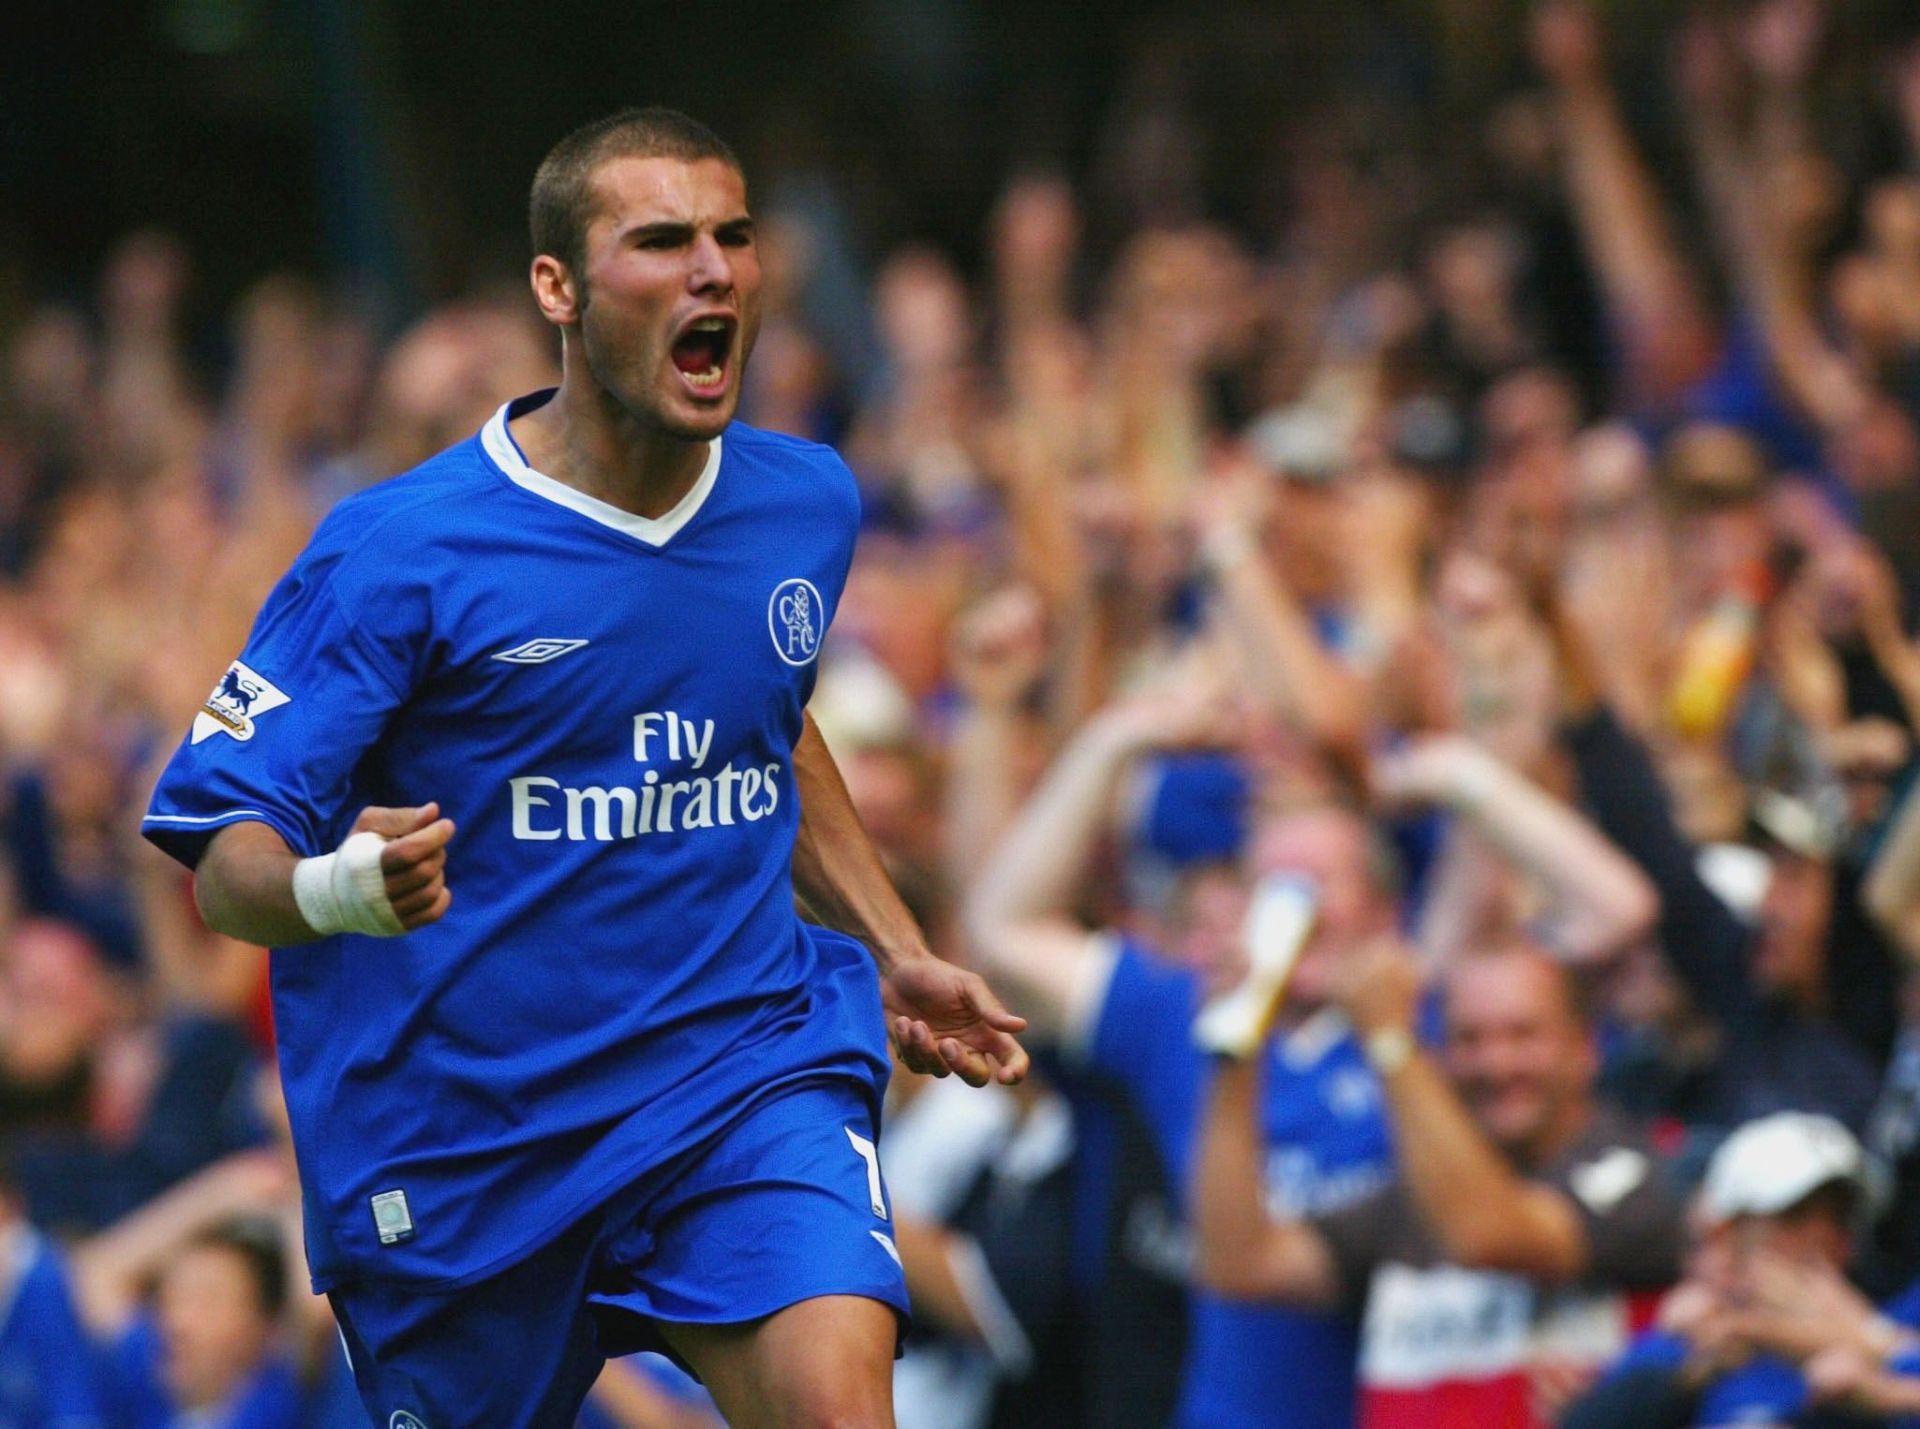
<point x="660" y="240"/>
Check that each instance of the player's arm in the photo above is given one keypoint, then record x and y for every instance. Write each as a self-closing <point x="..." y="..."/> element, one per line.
<point x="1484" y="1213"/>
<point x="1244" y="1254"/>
<point x="250" y="885"/>
<point x="942" y="1018"/>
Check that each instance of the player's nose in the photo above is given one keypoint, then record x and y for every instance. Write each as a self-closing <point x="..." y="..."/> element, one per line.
<point x="710" y="267"/>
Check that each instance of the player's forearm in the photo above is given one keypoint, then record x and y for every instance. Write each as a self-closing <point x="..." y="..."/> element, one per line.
<point x="836" y="869"/>
<point x="1481" y="1211"/>
<point x="244" y="887"/>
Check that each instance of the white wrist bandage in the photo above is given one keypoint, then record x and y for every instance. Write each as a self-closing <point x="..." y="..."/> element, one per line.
<point x="345" y="892"/>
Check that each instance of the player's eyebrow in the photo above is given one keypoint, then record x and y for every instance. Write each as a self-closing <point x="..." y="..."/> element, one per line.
<point x="676" y="231"/>
<point x="664" y="229"/>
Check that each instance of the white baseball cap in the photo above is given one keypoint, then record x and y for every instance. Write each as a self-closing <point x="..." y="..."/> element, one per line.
<point x="1772" y="1164"/>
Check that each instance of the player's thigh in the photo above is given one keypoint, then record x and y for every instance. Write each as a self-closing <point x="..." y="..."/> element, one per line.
<point x="824" y="1361"/>
<point x="788" y="1205"/>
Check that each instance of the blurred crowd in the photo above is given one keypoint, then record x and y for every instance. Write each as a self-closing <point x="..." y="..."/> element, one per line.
<point x="1414" y="698"/>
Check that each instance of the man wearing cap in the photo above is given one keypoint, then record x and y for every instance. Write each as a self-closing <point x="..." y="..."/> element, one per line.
<point x="1765" y="1328"/>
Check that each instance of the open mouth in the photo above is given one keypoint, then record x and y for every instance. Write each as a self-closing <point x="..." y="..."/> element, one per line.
<point x="702" y="352"/>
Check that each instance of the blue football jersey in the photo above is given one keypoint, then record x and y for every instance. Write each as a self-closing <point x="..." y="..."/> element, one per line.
<point x="1328" y="1143"/>
<point x="607" y="707"/>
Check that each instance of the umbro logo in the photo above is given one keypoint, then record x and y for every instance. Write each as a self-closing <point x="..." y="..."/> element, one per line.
<point x="538" y="652"/>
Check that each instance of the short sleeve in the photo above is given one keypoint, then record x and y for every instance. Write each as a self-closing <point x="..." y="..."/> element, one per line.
<point x="283" y="729"/>
<point x="1356" y="1236"/>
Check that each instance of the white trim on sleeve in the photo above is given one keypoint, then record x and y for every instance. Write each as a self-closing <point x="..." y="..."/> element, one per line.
<point x="207" y="819"/>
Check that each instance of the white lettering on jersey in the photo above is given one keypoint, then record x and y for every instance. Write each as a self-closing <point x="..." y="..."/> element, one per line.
<point x="673" y="728"/>
<point x="241" y="697"/>
<point x="544" y="809"/>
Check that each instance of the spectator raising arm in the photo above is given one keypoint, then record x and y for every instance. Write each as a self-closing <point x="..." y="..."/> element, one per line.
<point x="1601" y="901"/>
<point x="1892" y="889"/>
<point x="1771" y="269"/>
<point x="1657" y="319"/>
<point x="1287" y="668"/>
<point x="1242" y="1253"/>
<point x="1482" y="1212"/>
<point x="1019" y="915"/>
<point x="112" y="1270"/>
<point x="999" y="652"/>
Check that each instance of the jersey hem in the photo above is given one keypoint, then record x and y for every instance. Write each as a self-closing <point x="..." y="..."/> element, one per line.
<point x="556" y="1226"/>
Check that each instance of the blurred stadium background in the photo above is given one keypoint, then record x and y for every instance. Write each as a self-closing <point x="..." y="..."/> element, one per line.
<point x="1503" y="411"/>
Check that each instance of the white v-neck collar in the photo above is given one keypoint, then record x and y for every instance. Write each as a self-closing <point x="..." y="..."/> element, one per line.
<point x="651" y="530"/>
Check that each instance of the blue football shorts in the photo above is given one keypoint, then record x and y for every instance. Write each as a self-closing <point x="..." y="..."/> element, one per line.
<point x="783" y="1205"/>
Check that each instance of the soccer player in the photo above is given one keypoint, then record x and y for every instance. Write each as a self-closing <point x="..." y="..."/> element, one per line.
<point x="618" y="1096"/>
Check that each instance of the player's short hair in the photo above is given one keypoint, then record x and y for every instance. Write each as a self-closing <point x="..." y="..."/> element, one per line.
<point x="561" y="205"/>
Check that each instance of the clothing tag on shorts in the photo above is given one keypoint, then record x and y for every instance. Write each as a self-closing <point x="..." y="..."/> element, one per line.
<point x="391" y="1217"/>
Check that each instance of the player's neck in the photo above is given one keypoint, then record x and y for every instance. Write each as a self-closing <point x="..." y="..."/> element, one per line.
<point x="588" y="441"/>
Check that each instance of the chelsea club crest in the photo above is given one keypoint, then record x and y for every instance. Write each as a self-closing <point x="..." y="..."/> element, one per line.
<point x="796" y="620"/>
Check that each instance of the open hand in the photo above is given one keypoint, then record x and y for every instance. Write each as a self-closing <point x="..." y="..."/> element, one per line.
<point x="945" y="1019"/>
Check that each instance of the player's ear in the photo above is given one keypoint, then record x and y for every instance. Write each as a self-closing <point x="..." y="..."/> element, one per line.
<point x="555" y="290"/>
